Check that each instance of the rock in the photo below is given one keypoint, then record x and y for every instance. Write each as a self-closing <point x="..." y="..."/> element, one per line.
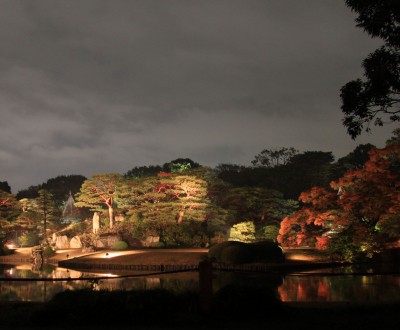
<point x="107" y="241"/>
<point x="99" y="244"/>
<point x="75" y="243"/>
<point x="96" y="222"/>
<point x="62" y="242"/>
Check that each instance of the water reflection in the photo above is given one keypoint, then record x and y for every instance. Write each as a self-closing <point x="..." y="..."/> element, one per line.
<point x="340" y="288"/>
<point x="329" y="285"/>
<point x="20" y="283"/>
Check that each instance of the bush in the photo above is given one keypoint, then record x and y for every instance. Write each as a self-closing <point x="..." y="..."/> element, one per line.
<point x="236" y="254"/>
<point x="48" y="252"/>
<point x="214" y="253"/>
<point x="120" y="245"/>
<point x="267" y="251"/>
<point x="243" y="232"/>
<point x="29" y="239"/>
<point x="217" y="252"/>
<point x="158" y="245"/>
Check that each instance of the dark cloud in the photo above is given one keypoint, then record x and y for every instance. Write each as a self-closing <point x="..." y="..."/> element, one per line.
<point x="103" y="86"/>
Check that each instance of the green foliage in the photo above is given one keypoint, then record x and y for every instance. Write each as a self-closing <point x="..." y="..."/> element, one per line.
<point x="180" y="164"/>
<point x="46" y="208"/>
<point x="178" y="167"/>
<point x="120" y="245"/>
<point x="59" y="187"/>
<point x="48" y="252"/>
<point x="158" y="245"/>
<point x="268" y="232"/>
<point x="99" y="193"/>
<point x="301" y="172"/>
<point x="143" y="171"/>
<point x="29" y="239"/>
<point x="243" y="232"/>
<point x="274" y="157"/>
<point x="9" y="206"/>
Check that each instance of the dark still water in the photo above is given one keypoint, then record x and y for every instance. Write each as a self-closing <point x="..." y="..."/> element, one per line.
<point x="326" y="286"/>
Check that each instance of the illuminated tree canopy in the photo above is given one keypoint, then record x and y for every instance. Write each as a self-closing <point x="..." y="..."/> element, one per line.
<point x="99" y="192"/>
<point x="363" y="206"/>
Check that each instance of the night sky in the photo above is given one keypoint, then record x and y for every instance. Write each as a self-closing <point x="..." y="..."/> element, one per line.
<point x="99" y="86"/>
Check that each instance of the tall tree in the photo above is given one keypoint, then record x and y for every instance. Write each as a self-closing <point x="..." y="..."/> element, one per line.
<point x="143" y="171"/>
<point x="353" y="161"/>
<point x="376" y="98"/>
<point x="60" y="187"/>
<point x="361" y="213"/>
<point x="173" y="206"/>
<point x="4" y="186"/>
<point x="45" y="206"/>
<point x="180" y="163"/>
<point x="9" y="209"/>
<point x="395" y="139"/>
<point x="100" y="191"/>
<point x="274" y="157"/>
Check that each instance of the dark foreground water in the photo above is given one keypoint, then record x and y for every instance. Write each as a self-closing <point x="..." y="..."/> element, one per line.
<point x="22" y="283"/>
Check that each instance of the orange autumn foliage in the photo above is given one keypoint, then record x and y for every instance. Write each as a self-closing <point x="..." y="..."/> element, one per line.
<point x="367" y="200"/>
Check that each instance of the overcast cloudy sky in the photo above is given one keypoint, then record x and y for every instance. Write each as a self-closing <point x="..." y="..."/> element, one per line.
<point x="99" y="86"/>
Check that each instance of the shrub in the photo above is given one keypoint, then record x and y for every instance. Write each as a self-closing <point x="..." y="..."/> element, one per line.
<point x="157" y="245"/>
<point x="120" y="245"/>
<point x="269" y="232"/>
<point x="217" y="252"/>
<point x="267" y="251"/>
<point x="48" y="252"/>
<point x="214" y="253"/>
<point x="243" y="232"/>
<point x="236" y="254"/>
<point x="29" y="239"/>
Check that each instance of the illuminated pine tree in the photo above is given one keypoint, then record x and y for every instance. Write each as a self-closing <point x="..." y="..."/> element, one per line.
<point x="99" y="192"/>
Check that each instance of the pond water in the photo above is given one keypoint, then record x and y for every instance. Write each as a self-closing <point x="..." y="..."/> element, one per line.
<point x="22" y="283"/>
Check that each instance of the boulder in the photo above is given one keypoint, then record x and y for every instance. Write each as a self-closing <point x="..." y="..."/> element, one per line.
<point x="62" y="242"/>
<point x="75" y="243"/>
<point x="99" y="244"/>
<point x="96" y="222"/>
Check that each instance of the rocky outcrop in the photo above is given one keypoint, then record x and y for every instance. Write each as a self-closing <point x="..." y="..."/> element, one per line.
<point x="75" y="243"/>
<point x="62" y="242"/>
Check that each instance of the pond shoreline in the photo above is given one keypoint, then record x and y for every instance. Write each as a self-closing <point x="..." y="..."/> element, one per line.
<point x="167" y="260"/>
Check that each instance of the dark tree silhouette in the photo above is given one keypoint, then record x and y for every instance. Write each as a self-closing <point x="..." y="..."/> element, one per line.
<point x="375" y="99"/>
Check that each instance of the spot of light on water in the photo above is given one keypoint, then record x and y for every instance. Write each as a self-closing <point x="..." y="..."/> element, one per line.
<point x="109" y="255"/>
<point x="108" y="275"/>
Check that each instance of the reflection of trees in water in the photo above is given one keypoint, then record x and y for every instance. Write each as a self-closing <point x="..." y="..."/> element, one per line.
<point x="358" y="288"/>
<point x="361" y="288"/>
<point x="268" y="281"/>
<point x="8" y="293"/>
